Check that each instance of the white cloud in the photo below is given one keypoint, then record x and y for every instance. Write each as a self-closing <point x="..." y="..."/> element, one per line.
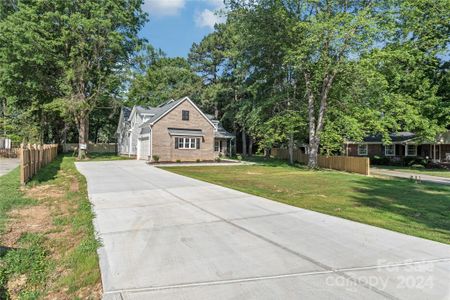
<point x="216" y="3"/>
<point x="163" y="7"/>
<point x="207" y="18"/>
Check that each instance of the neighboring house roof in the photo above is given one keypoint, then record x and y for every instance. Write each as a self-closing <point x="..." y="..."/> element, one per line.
<point x="405" y="136"/>
<point x="444" y="138"/>
<point x="395" y="137"/>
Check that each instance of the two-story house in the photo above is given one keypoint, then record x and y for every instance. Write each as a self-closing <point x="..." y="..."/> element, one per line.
<point x="174" y="131"/>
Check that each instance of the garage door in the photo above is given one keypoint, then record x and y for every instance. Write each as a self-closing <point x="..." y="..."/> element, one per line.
<point x="143" y="148"/>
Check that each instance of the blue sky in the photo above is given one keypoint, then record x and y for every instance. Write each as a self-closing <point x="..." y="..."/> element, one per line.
<point x="175" y="24"/>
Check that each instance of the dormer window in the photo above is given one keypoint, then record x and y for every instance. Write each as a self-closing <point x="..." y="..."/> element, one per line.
<point x="185" y="115"/>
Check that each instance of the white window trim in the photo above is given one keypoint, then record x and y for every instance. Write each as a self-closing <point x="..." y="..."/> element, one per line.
<point x="366" y="152"/>
<point x="389" y="154"/>
<point x="181" y="145"/>
<point x="415" y="150"/>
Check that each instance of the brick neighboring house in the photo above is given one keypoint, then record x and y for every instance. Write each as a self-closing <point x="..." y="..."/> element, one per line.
<point x="175" y="130"/>
<point x="403" y="144"/>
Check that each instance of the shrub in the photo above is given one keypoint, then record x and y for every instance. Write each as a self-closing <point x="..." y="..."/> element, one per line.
<point x="239" y="157"/>
<point x="217" y="159"/>
<point x="198" y="160"/>
<point x="380" y="160"/>
<point x="410" y="161"/>
<point x="155" y="158"/>
<point x="418" y="166"/>
<point x="178" y="161"/>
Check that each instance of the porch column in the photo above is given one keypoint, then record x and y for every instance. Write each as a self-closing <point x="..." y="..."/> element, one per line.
<point x="434" y="152"/>
<point x="431" y="151"/>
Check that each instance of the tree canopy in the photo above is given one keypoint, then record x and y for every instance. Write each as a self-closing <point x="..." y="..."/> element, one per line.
<point x="310" y="73"/>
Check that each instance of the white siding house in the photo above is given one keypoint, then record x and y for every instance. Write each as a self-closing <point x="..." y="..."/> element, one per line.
<point x="128" y="130"/>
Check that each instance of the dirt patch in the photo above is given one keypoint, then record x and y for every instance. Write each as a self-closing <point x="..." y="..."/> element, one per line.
<point x="74" y="186"/>
<point x="34" y="219"/>
<point x="42" y="192"/>
<point x="15" y="285"/>
<point x="254" y="173"/>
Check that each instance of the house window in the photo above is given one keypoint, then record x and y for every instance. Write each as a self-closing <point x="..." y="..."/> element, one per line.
<point x="187" y="143"/>
<point x="216" y="146"/>
<point x="185" y="115"/>
<point x="389" y="150"/>
<point x="362" y="149"/>
<point x="411" y="150"/>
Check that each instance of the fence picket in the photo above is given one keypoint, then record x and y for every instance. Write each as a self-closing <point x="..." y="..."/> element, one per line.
<point x="353" y="164"/>
<point x="33" y="158"/>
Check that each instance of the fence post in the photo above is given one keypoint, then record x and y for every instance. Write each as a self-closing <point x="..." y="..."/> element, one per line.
<point x="22" y="165"/>
<point x="33" y="158"/>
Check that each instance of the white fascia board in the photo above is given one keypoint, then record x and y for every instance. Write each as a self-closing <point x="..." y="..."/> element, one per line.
<point x="193" y="104"/>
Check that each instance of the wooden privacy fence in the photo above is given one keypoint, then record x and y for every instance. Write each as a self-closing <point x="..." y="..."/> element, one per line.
<point x="33" y="158"/>
<point x="10" y="153"/>
<point x="92" y="148"/>
<point x="353" y="164"/>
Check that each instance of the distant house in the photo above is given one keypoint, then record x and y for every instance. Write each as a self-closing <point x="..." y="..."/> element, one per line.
<point x="403" y="144"/>
<point x="174" y="131"/>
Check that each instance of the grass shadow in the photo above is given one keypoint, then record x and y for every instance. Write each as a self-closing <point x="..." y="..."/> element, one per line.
<point x="272" y="162"/>
<point x="408" y="206"/>
<point x="48" y="172"/>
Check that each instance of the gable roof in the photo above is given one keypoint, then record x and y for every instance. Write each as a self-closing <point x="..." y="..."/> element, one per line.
<point x="162" y="110"/>
<point x="123" y="118"/>
<point x="220" y="131"/>
<point x="126" y="111"/>
<point x="137" y="109"/>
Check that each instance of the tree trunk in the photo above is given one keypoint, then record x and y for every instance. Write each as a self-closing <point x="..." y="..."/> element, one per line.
<point x="313" y="145"/>
<point x="313" y="154"/>
<point x="244" y="143"/>
<point x="250" y="146"/>
<point x="291" y="148"/>
<point x="266" y="152"/>
<point x="4" y="116"/>
<point x="216" y="110"/>
<point x="83" y="129"/>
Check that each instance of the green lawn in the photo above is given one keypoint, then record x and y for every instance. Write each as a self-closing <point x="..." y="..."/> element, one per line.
<point x="58" y="259"/>
<point x="432" y="172"/>
<point x="422" y="210"/>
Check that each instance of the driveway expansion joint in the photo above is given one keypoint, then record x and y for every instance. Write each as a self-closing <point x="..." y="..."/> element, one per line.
<point x="141" y="261"/>
<point x="287" y="249"/>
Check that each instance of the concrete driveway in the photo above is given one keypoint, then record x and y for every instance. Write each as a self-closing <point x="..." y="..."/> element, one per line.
<point x="8" y="164"/>
<point x="167" y="236"/>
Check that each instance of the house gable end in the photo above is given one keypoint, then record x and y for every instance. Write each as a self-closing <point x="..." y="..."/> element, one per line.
<point x="177" y="105"/>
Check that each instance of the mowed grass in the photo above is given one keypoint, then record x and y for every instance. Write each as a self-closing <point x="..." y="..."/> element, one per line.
<point x="421" y="210"/>
<point x="56" y="256"/>
<point x="431" y="172"/>
<point x="10" y="195"/>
